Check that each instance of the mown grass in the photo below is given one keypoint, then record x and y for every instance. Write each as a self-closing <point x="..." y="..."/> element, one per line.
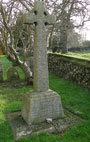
<point x="74" y="98"/>
<point x="7" y="64"/>
<point x="80" y="55"/>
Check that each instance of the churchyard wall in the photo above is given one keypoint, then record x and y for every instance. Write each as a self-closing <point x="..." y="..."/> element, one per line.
<point x="69" y="68"/>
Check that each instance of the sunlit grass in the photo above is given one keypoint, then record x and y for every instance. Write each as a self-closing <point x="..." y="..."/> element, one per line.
<point x="6" y="63"/>
<point x="80" y="55"/>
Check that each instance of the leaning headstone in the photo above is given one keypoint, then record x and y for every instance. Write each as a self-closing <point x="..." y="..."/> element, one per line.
<point x="1" y="72"/>
<point x="12" y="74"/>
<point x="42" y="103"/>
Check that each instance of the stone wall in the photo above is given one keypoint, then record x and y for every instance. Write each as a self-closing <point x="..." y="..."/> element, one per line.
<point x="76" y="70"/>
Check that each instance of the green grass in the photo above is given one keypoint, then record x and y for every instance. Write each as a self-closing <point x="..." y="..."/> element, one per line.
<point x="80" y="55"/>
<point x="74" y="98"/>
<point x="6" y="64"/>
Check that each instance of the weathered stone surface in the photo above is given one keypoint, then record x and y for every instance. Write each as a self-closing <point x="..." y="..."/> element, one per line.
<point x="40" y="17"/>
<point x="73" y="69"/>
<point x="21" y="129"/>
<point x="42" y="103"/>
<point x="38" y="106"/>
<point x="12" y="74"/>
<point x="1" y="72"/>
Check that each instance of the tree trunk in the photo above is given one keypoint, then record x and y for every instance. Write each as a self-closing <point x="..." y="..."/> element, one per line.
<point x="64" y="42"/>
<point x="28" y="73"/>
<point x="23" y="65"/>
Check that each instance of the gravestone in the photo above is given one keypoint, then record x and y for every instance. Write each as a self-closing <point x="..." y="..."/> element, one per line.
<point x="42" y="103"/>
<point x="12" y="74"/>
<point x="1" y="72"/>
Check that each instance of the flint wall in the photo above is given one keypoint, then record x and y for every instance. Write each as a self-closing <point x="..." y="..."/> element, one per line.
<point x="73" y="69"/>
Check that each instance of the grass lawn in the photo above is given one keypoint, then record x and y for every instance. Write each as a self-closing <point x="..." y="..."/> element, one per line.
<point x="7" y="64"/>
<point x="74" y="98"/>
<point x="80" y="55"/>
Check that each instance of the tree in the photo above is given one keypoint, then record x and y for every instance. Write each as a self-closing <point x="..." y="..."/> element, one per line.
<point x="73" y="39"/>
<point x="8" y="39"/>
<point x="55" y="43"/>
<point x="86" y="43"/>
<point x="68" y="11"/>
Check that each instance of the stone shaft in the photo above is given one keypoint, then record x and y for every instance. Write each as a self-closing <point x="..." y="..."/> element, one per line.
<point x="42" y="103"/>
<point x="40" y="59"/>
<point x="40" y="17"/>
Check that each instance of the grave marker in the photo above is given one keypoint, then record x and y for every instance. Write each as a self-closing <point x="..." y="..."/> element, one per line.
<point x="42" y="103"/>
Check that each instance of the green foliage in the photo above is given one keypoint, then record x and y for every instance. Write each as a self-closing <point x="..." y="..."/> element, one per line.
<point x="86" y="43"/>
<point x="55" y="44"/>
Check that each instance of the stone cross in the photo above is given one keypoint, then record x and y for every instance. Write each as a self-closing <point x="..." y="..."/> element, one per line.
<point x="42" y="103"/>
<point x="41" y="18"/>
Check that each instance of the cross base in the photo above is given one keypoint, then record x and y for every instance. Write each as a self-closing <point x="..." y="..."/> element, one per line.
<point x="38" y="106"/>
